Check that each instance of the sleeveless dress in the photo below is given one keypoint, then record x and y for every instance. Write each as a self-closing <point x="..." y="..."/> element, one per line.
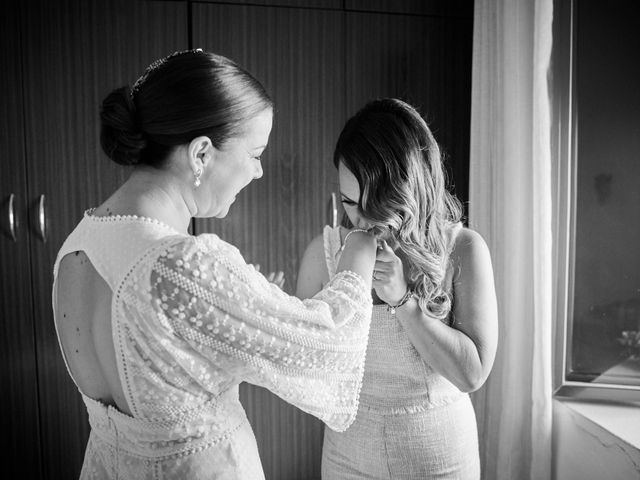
<point x="412" y="423"/>
<point x="190" y="321"/>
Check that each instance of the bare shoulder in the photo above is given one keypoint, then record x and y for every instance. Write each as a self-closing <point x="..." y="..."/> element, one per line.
<point x="315" y="249"/>
<point x="313" y="273"/>
<point x="470" y="249"/>
<point x="469" y="240"/>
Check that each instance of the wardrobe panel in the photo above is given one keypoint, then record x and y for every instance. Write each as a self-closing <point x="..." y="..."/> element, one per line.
<point x="76" y="53"/>
<point x="423" y="60"/>
<point x="298" y="55"/>
<point x="451" y="8"/>
<point x="20" y="444"/>
<point x="328" y="4"/>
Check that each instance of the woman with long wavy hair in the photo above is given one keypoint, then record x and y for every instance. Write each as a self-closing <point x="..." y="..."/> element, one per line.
<point x="433" y="333"/>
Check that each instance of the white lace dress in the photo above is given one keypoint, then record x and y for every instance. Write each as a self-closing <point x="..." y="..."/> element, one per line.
<point x="191" y="320"/>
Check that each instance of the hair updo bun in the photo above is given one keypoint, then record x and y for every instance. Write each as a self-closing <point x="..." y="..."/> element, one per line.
<point x="120" y="135"/>
<point x="187" y="94"/>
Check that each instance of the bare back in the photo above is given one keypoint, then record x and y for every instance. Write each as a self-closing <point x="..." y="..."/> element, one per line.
<point x="83" y="321"/>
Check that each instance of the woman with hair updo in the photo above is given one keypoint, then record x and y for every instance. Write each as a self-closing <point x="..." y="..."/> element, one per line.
<point x="433" y="331"/>
<point x="158" y="327"/>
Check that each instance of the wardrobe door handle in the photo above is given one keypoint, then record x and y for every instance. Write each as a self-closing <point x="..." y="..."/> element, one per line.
<point x="12" y="217"/>
<point x="333" y="211"/>
<point x="42" y="219"/>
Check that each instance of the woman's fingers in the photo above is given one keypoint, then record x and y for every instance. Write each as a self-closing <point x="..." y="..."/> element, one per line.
<point x="380" y="276"/>
<point x="277" y="278"/>
<point x="273" y="277"/>
<point x="385" y="267"/>
<point x="385" y="253"/>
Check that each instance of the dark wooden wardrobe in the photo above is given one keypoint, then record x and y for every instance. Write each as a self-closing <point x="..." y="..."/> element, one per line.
<point x="319" y="59"/>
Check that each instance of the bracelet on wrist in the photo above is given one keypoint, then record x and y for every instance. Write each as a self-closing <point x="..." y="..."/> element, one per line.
<point x="344" y="242"/>
<point x="405" y="298"/>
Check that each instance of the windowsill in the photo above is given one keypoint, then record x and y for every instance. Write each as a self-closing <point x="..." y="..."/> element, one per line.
<point x="621" y="420"/>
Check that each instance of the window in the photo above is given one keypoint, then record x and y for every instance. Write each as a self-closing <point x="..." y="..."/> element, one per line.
<point x="597" y="111"/>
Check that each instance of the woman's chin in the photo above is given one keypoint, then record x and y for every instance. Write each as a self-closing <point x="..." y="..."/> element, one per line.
<point x="218" y="212"/>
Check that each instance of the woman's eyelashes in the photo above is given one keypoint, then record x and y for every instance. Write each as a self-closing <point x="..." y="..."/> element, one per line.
<point x="346" y="201"/>
<point x="253" y="156"/>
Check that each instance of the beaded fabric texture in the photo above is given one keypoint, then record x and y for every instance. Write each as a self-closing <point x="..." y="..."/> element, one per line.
<point x="191" y="320"/>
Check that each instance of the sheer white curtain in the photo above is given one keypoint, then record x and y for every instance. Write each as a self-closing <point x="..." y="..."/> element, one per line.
<point x="511" y="206"/>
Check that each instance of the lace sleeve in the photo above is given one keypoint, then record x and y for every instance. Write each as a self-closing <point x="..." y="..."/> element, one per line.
<point x="310" y="353"/>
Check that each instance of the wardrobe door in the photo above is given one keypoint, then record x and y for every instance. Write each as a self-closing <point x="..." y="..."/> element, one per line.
<point x="422" y="59"/>
<point x="20" y="444"/>
<point x="297" y="54"/>
<point x="77" y="51"/>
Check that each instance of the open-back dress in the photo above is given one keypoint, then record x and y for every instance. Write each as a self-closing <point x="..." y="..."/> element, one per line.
<point x="191" y="320"/>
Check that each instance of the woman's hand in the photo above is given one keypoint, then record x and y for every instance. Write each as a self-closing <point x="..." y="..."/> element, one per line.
<point x="276" y="278"/>
<point x="388" y="275"/>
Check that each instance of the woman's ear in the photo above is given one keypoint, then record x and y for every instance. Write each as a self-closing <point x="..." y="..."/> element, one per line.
<point x="200" y="153"/>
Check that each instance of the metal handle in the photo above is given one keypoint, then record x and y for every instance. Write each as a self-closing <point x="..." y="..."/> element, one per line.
<point x="12" y="218"/>
<point x="42" y="219"/>
<point x="333" y="211"/>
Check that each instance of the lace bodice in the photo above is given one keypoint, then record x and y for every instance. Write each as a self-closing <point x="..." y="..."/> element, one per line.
<point x="191" y="320"/>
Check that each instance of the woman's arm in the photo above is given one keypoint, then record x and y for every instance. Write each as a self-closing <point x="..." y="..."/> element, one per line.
<point x="463" y="353"/>
<point x="355" y="257"/>
<point x="225" y="320"/>
<point x="312" y="274"/>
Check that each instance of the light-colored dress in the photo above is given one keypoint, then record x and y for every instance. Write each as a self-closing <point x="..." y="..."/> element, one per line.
<point x="191" y="320"/>
<point x="412" y="423"/>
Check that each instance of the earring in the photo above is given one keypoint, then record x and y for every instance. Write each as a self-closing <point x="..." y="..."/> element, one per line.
<point x="197" y="174"/>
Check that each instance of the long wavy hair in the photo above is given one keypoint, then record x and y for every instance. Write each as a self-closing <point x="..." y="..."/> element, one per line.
<point x="392" y="153"/>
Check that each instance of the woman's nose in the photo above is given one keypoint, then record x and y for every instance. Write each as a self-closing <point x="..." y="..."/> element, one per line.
<point x="259" y="171"/>
<point x="362" y="223"/>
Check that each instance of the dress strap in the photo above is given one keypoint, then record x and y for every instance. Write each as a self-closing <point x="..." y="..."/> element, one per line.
<point x="332" y="243"/>
<point x="86" y="239"/>
<point x="113" y="244"/>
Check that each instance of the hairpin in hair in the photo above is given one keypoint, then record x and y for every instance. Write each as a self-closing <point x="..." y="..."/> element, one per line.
<point x="156" y="65"/>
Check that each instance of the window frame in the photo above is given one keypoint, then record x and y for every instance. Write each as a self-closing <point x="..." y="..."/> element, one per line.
<point x="564" y="137"/>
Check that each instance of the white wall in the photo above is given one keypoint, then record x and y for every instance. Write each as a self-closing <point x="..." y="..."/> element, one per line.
<point x="584" y="450"/>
